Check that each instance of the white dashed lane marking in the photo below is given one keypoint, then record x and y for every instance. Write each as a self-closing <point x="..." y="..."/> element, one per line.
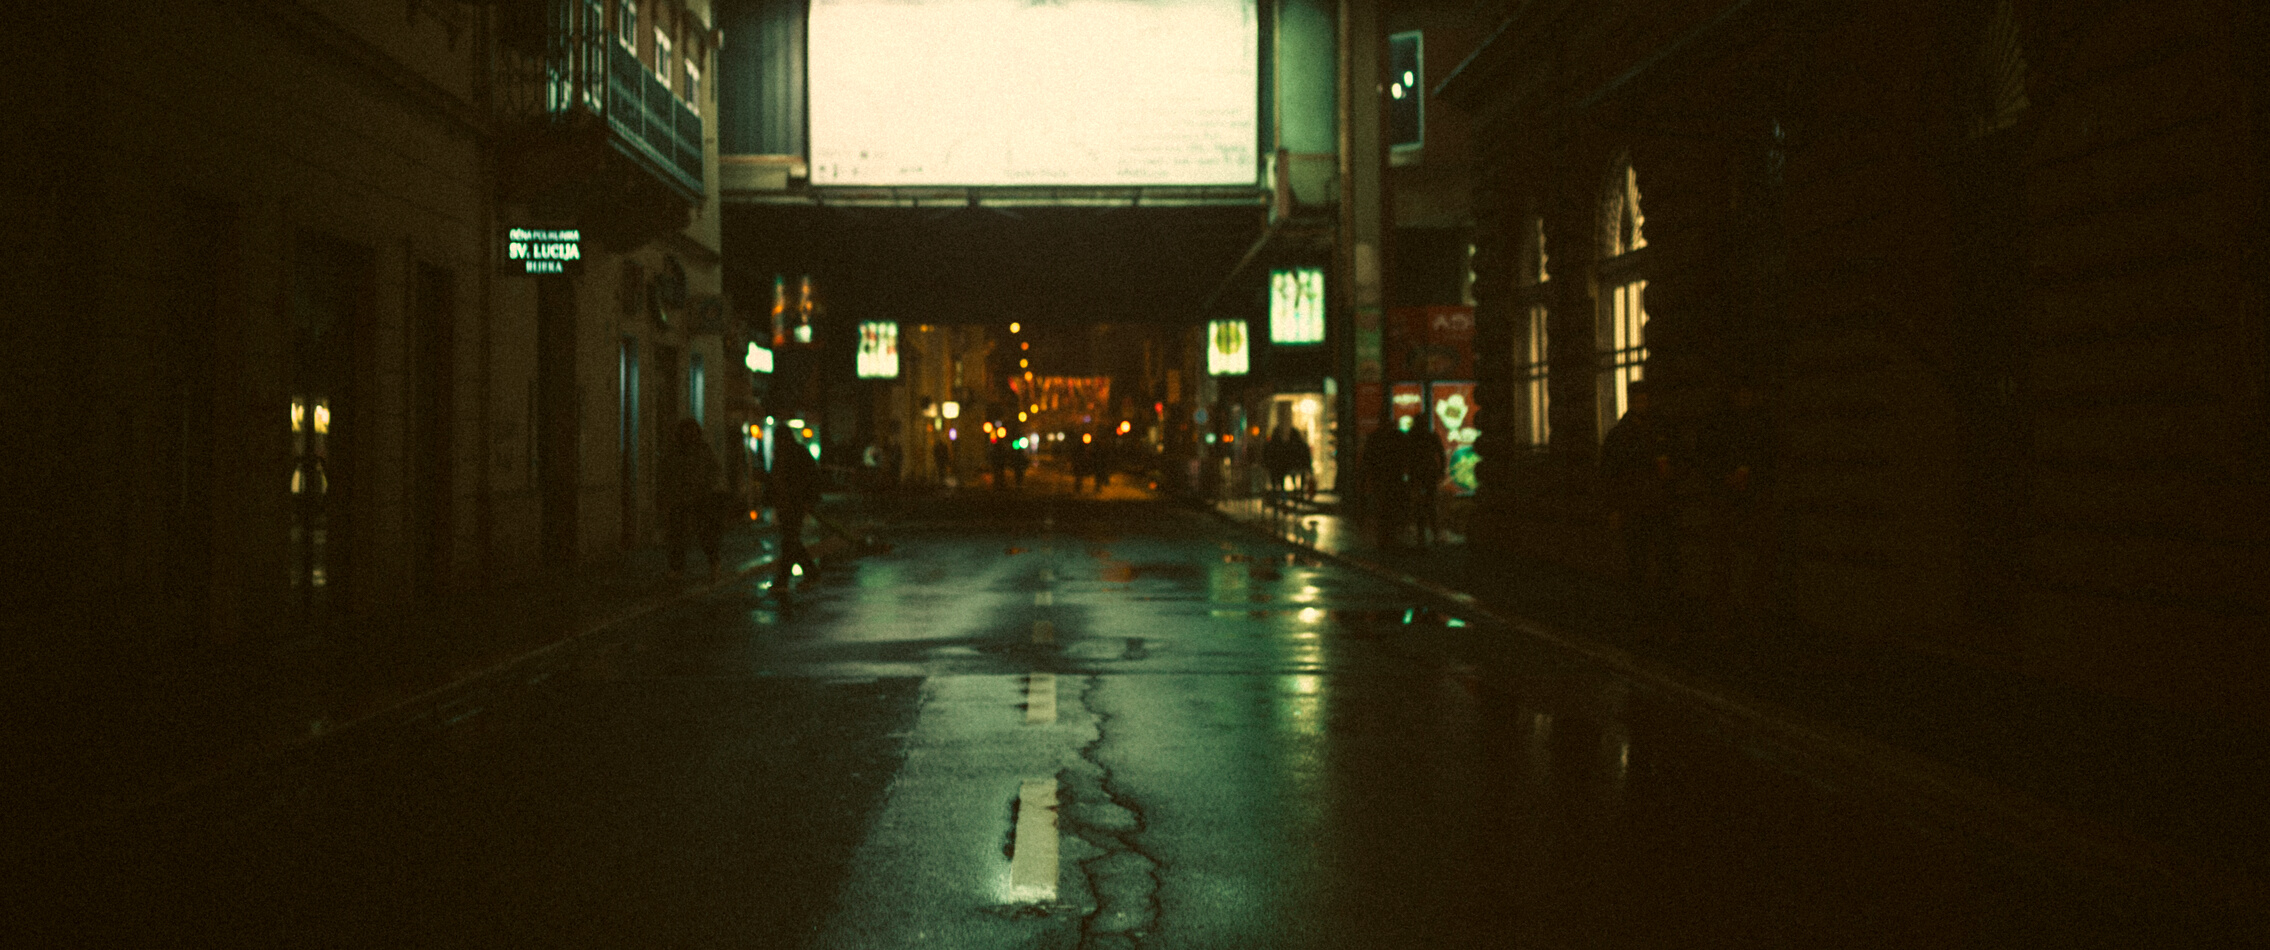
<point x="1032" y="862"/>
<point x="1040" y="699"/>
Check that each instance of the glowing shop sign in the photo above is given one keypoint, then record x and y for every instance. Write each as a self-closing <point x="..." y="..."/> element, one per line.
<point x="543" y="251"/>
<point x="759" y="359"/>
<point x="1296" y="305"/>
<point x="878" y="350"/>
<point x="1227" y="350"/>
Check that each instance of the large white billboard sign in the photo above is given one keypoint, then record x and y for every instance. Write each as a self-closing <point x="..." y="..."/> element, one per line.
<point x="1017" y="92"/>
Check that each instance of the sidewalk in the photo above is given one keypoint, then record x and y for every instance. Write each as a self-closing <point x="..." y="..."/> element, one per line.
<point x="117" y="738"/>
<point x="2182" y="796"/>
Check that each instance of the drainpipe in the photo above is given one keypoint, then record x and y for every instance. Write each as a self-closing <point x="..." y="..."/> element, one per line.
<point x="484" y="505"/>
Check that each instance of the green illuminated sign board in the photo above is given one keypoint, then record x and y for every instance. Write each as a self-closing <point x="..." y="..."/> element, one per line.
<point x="532" y="251"/>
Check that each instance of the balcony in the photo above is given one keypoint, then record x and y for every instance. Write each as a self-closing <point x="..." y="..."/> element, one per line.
<point x="581" y="111"/>
<point x="650" y="121"/>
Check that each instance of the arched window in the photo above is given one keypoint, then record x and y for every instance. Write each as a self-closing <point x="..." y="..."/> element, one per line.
<point x="1997" y="82"/>
<point x="1622" y="332"/>
<point x="1532" y="344"/>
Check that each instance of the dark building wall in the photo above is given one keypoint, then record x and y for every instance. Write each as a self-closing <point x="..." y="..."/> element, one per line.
<point x="761" y="77"/>
<point x="2006" y="328"/>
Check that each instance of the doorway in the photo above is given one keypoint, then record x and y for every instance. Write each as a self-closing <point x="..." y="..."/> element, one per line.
<point x="558" y="418"/>
<point x="331" y="290"/>
<point x="433" y="381"/>
<point x="626" y="437"/>
<point x="200" y="247"/>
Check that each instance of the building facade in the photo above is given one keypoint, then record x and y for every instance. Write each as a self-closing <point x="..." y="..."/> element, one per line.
<point x="305" y="374"/>
<point x="1993" y="268"/>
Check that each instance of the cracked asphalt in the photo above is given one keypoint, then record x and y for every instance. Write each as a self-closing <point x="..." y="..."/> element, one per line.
<point x="1247" y="747"/>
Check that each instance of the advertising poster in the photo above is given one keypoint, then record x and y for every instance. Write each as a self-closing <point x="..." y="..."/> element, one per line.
<point x="1434" y="342"/>
<point x="1407" y="401"/>
<point x="1452" y="405"/>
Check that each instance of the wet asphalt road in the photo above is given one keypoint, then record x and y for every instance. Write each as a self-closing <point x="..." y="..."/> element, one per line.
<point x="1247" y="748"/>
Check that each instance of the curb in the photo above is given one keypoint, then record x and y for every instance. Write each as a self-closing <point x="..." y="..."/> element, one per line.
<point x="434" y="700"/>
<point x="1949" y="797"/>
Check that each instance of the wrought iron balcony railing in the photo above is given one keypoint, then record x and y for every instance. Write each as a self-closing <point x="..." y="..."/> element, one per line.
<point x="579" y="71"/>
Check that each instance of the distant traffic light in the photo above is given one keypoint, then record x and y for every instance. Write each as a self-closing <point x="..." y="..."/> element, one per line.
<point x="1406" y="91"/>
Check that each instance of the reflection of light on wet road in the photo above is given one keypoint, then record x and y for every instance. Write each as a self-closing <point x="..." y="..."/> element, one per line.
<point x="1311" y="614"/>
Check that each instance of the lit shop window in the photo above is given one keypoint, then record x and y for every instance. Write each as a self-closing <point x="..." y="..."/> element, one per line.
<point x="1536" y="372"/>
<point x="1622" y="333"/>
<point x="1533" y="345"/>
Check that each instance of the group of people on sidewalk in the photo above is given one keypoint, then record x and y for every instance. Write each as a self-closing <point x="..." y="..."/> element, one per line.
<point x="1653" y="472"/>
<point x="1007" y="460"/>
<point x="696" y="502"/>
<point x="1286" y="457"/>
<point x="1653" y="475"/>
<point x="1399" y="483"/>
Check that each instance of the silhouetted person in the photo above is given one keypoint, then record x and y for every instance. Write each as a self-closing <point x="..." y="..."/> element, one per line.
<point x="1638" y="464"/>
<point x="1018" y="462"/>
<point x="1300" y="463"/>
<point x="1735" y="452"/>
<point x="1276" y="459"/>
<point x="893" y="462"/>
<point x="1084" y="462"/>
<point x="692" y="497"/>
<point x="1422" y="479"/>
<point x="1379" y="485"/>
<point x="942" y="455"/>
<point x="794" y="488"/>
<point x="997" y="459"/>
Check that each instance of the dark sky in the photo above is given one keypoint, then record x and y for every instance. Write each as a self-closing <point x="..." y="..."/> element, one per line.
<point x="958" y="264"/>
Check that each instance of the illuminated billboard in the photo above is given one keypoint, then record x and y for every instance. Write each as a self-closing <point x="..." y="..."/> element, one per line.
<point x="1228" y="349"/>
<point x="878" y="350"/>
<point x="1017" y="92"/>
<point x="1296" y="305"/>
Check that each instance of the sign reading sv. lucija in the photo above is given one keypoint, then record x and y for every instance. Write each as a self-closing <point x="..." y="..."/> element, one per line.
<point x="1228" y="348"/>
<point x="543" y="251"/>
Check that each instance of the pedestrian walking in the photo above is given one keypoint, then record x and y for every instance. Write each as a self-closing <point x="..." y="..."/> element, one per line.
<point x="1276" y="460"/>
<point x="942" y="456"/>
<point x="792" y="490"/>
<point x="693" y="497"/>
<point x="1380" y="480"/>
<point x="997" y="459"/>
<point x="1639" y="467"/>
<point x="1300" y="463"/>
<point x="1083" y="461"/>
<point x="1422" y="472"/>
